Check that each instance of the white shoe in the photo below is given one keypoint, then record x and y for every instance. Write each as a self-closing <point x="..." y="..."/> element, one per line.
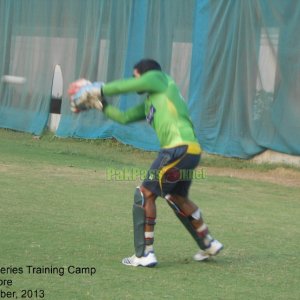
<point x="214" y="248"/>
<point x="148" y="260"/>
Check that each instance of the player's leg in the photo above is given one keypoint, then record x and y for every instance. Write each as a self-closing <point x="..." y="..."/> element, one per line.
<point x="186" y="210"/>
<point x="144" y="217"/>
<point x="150" y="218"/>
<point x="191" y="217"/>
<point x="144" y="211"/>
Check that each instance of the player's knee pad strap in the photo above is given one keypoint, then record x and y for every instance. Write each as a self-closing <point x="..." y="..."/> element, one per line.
<point x="150" y="221"/>
<point x="187" y="222"/>
<point x="138" y="213"/>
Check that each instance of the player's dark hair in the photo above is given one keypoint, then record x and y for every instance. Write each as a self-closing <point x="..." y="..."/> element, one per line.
<point x="147" y="64"/>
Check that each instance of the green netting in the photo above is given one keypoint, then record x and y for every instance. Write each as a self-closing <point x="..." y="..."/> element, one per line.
<point x="236" y="62"/>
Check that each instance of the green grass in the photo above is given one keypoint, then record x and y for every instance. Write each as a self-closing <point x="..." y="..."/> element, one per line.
<point x="58" y="209"/>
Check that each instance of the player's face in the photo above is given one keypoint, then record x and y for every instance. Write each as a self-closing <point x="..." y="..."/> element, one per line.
<point x="136" y="73"/>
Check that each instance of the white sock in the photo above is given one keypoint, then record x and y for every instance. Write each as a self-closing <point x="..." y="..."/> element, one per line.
<point x="203" y="232"/>
<point x="149" y="248"/>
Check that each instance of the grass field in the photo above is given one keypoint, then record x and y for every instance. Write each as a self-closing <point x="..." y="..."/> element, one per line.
<point x="58" y="209"/>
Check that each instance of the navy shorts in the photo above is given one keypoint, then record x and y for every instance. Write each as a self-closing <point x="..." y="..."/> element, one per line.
<point x="171" y="172"/>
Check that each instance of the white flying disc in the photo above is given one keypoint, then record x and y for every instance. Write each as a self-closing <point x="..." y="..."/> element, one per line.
<point x="13" y="79"/>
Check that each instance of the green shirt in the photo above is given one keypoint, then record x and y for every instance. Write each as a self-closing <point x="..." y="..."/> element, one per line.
<point x="164" y="109"/>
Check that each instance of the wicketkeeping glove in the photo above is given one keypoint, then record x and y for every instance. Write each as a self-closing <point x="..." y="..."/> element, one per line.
<point x="85" y="95"/>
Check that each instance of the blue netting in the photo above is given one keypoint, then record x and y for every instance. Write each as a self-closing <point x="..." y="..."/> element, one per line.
<point x="237" y="63"/>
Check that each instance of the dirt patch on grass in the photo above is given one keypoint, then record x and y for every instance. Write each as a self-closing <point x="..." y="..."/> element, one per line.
<point x="47" y="171"/>
<point x="4" y="168"/>
<point x="281" y="176"/>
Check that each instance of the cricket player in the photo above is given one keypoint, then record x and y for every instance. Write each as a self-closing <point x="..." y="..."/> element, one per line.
<point x="166" y="111"/>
